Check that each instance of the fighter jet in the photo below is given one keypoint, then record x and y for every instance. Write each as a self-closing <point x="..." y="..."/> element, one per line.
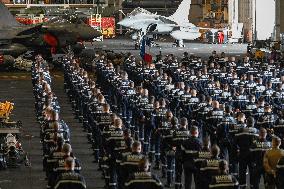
<point x="177" y="25"/>
<point x="47" y="38"/>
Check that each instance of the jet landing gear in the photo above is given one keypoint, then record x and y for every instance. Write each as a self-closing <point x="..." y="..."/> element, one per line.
<point x="178" y="43"/>
<point x="137" y="45"/>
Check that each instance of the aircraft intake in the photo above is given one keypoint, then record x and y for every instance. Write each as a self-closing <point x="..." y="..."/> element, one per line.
<point x="151" y="28"/>
<point x="51" y="41"/>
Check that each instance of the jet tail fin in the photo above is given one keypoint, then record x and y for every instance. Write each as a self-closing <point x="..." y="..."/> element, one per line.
<point x="6" y="18"/>
<point x="181" y="14"/>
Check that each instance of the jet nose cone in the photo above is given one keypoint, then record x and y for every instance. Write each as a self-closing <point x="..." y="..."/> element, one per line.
<point x="95" y="33"/>
<point x="88" y="33"/>
<point x="122" y="22"/>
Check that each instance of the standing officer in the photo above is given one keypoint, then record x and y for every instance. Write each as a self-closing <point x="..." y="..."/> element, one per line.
<point x="102" y="120"/>
<point x="224" y="179"/>
<point x="233" y="150"/>
<point x="179" y="136"/>
<point x="244" y="140"/>
<point x="202" y="113"/>
<point x="56" y="164"/>
<point x="209" y="167"/>
<point x="169" y="151"/>
<point x="267" y="120"/>
<point x="213" y="118"/>
<point x="258" y="149"/>
<point x="222" y="132"/>
<point x="70" y="179"/>
<point x="160" y="125"/>
<point x="270" y="160"/>
<point x="203" y="155"/>
<point x="190" y="149"/>
<point x="115" y="145"/>
<point x="278" y="128"/>
<point x="163" y="132"/>
<point x="250" y="106"/>
<point x="50" y="159"/>
<point x="280" y="173"/>
<point x="153" y="131"/>
<point x="143" y="178"/>
<point x="148" y="127"/>
<point x="130" y="163"/>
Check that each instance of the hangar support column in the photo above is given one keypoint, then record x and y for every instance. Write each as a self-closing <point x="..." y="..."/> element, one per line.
<point x="277" y="19"/>
<point x="279" y="22"/>
<point x="246" y="16"/>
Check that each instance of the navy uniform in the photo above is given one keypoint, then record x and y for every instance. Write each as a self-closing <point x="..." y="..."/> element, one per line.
<point x="259" y="111"/>
<point x="189" y="107"/>
<point x="51" y="160"/>
<point x="217" y="93"/>
<point x="186" y="104"/>
<point x="278" y="127"/>
<point x="126" y="95"/>
<point x="268" y="92"/>
<point x="233" y="155"/>
<point x="208" y="169"/>
<point x="102" y="120"/>
<point x="258" y="149"/>
<point x="280" y="173"/>
<point x="202" y="112"/>
<point x="266" y="120"/>
<point x="213" y="119"/>
<point x="169" y="153"/>
<point x="160" y="126"/>
<point x="58" y="168"/>
<point x="250" y="107"/>
<point x="179" y="136"/>
<point x="70" y="180"/>
<point x="189" y="148"/>
<point x="115" y="145"/>
<point x="240" y="100"/>
<point x="165" y="136"/>
<point x="200" y="158"/>
<point x="195" y="112"/>
<point x="224" y="181"/>
<point x="223" y="135"/>
<point x="141" y="104"/>
<point x="104" y="162"/>
<point x="94" y="128"/>
<point x="250" y="85"/>
<point x="148" y="126"/>
<point x="259" y="89"/>
<point x="278" y="97"/>
<point x="128" y="165"/>
<point x="143" y="180"/>
<point x="244" y="140"/>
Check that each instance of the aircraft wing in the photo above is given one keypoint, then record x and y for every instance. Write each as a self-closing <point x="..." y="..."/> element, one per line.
<point x="167" y="21"/>
<point x="212" y="29"/>
<point x="6" y="18"/>
<point x="139" y="10"/>
<point x="7" y="34"/>
<point x="18" y="32"/>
